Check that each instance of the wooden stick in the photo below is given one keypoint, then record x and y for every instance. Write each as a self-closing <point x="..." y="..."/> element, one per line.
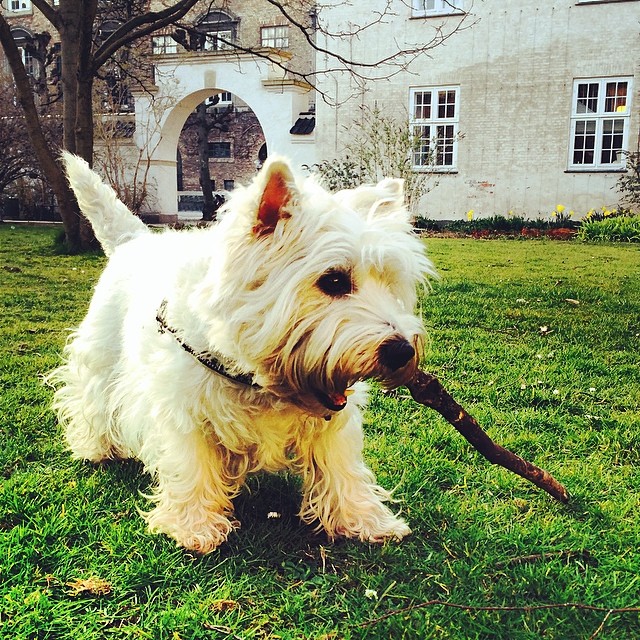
<point x="426" y="389"/>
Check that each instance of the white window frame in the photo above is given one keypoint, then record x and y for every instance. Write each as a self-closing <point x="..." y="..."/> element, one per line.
<point x="434" y="127"/>
<point x="19" y="6"/>
<point x="600" y="124"/>
<point x="212" y="40"/>
<point x="427" y="8"/>
<point x="163" y="45"/>
<point x="276" y="36"/>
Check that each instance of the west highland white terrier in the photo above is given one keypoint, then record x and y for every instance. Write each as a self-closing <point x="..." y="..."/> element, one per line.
<point x="214" y="353"/>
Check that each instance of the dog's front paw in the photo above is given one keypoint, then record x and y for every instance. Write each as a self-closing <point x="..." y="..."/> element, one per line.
<point x="378" y="524"/>
<point x="385" y="526"/>
<point x="395" y="530"/>
<point x="198" y="536"/>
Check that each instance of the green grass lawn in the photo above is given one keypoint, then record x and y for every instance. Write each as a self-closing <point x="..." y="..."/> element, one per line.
<point x="539" y="340"/>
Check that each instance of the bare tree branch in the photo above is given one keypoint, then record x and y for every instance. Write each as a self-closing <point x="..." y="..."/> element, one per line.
<point x="48" y="12"/>
<point x="139" y="27"/>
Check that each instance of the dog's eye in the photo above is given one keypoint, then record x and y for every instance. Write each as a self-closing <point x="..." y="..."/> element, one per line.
<point x="336" y="283"/>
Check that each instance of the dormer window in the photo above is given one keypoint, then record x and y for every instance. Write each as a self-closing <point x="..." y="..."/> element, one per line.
<point x="219" y="30"/>
<point x="19" y="6"/>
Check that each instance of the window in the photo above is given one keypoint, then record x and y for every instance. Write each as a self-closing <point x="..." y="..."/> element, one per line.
<point x="223" y="99"/>
<point x="434" y="127"/>
<point x="275" y="37"/>
<point x="220" y="150"/>
<point x="218" y="41"/>
<point x="424" y="8"/>
<point x="19" y="6"/>
<point x="600" y="117"/>
<point x="31" y="63"/>
<point x="219" y="30"/>
<point x="26" y="44"/>
<point x="164" y="45"/>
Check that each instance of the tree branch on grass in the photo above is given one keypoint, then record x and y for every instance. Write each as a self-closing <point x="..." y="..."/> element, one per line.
<point x="497" y="608"/>
<point x="426" y="389"/>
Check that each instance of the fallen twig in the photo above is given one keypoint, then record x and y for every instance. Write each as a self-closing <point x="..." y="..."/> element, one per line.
<point x="568" y="554"/>
<point x="427" y="390"/>
<point x="497" y="608"/>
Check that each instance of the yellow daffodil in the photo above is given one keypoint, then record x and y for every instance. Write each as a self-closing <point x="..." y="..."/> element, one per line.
<point x="470" y="215"/>
<point x="560" y="208"/>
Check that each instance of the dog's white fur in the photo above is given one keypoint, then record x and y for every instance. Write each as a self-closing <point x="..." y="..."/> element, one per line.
<point x="250" y="290"/>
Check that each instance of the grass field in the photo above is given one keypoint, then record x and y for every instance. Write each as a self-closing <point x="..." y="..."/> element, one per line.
<point x="539" y="340"/>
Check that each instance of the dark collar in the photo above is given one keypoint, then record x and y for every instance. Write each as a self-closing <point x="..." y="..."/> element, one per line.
<point x="206" y="359"/>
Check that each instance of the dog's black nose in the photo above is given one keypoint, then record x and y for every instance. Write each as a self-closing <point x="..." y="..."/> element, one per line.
<point x="395" y="353"/>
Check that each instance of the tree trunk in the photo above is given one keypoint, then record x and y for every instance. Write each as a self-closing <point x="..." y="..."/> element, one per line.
<point x="83" y="129"/>
<point x="209" y="205"/>
<point x="70" y="13"/>
<point x="69" y="210"/>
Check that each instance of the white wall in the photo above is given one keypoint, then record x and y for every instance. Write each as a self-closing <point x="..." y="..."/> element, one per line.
<point x="515" y="67"/>
<point x="186" y="80"/>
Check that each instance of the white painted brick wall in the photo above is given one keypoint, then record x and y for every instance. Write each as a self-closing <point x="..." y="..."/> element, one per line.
<point x="515" y="67"/>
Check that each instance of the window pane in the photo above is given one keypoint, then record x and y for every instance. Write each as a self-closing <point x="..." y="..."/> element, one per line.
<point x="218" y="41"/>
<point x="446" y="104"/>
<point x="164" y="44"/>
<point x="276" y="37"/>
<point x="444" y="145"/>
<point x="584" y="142"/>
<point x="422" y="105"/>
<point x="20" y="5"/>
<point x="587" y="98"/>
<point x="616" y="99"/>
<point x="219" y="149"/>
<point x="422" y="146"/>
<point x="435" y="6"/>
<point x="612" y="137"/>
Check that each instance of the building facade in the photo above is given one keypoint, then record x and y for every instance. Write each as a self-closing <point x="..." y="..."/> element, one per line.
<point x="527" y="105"/>
<point x="516" y="108"/>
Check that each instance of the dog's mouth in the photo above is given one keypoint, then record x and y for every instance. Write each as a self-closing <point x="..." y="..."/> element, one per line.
<point x="337" y="400"/>
<point x="334" y="401"/>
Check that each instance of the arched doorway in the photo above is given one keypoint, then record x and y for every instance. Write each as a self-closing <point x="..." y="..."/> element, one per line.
<point x="218" y="149"/>
<point x="184" y="81"/>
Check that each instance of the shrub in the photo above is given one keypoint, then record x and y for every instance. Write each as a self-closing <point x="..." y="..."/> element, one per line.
<point x="611" y="229"/>
<point x="379" y="146"/>
<point x="628" y="185"/>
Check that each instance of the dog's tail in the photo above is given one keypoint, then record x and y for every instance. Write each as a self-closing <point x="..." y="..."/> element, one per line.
<point x="110" y="218"/>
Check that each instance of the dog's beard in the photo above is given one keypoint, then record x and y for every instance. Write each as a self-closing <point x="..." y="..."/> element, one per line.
<point x="316" y="370"/>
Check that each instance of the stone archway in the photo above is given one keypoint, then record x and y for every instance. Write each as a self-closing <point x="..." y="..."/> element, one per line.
<point x="185" y="80"/>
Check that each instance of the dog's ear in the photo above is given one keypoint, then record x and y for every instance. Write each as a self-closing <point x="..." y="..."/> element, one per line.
<point x="278" y="191"/>
<point x="385" y="197"/>
<point x="390" y="192"/>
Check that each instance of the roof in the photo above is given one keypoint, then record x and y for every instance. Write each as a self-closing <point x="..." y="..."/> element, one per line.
<point x="303" y="126"/>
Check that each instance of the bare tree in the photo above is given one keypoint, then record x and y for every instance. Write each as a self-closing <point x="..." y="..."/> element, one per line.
<point x="205" y="119"/>
<point x="16" y="159"/>
<point x="82" y="56"/>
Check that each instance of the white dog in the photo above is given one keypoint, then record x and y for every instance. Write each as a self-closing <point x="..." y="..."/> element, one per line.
<point x="214" y="353"/>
